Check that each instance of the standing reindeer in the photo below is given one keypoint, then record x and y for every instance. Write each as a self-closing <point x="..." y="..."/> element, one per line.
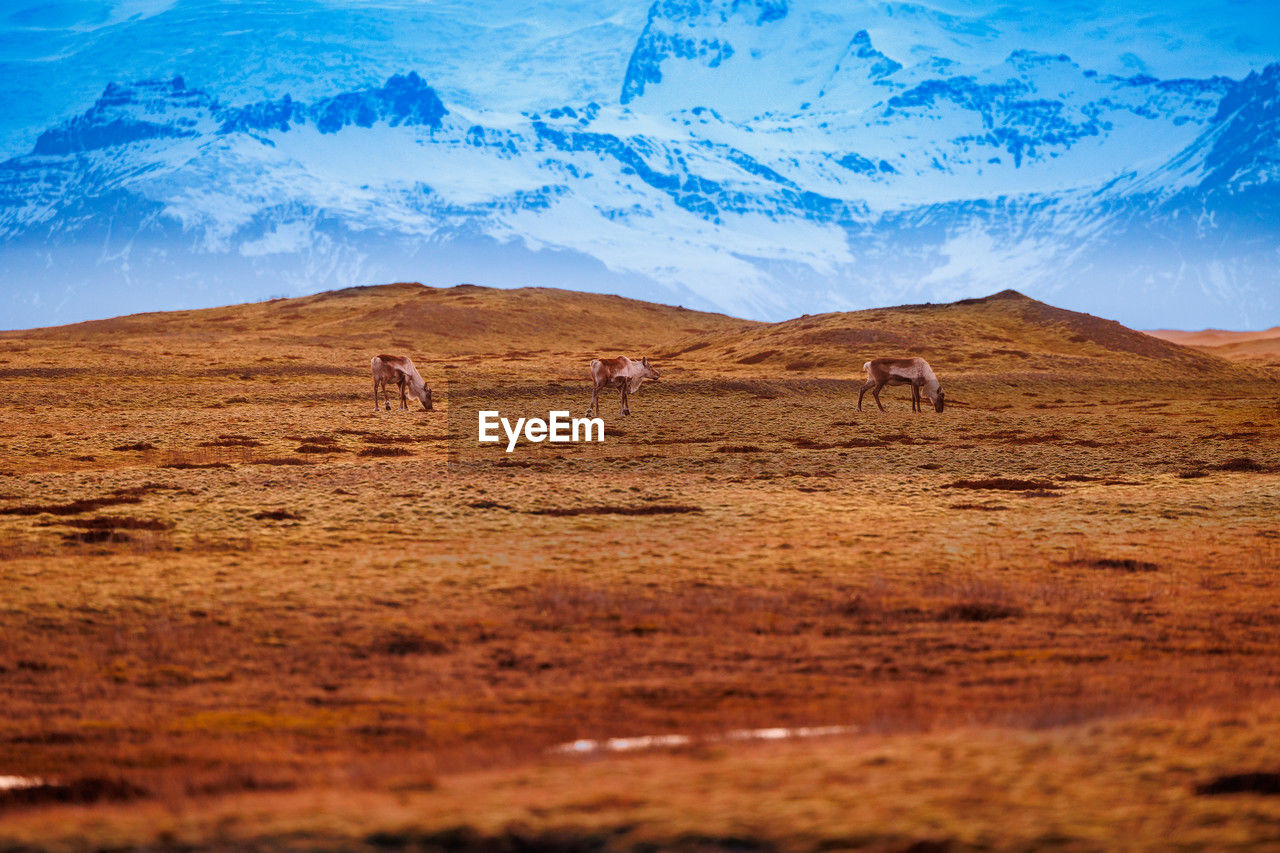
<point x="400" y="370"/>
<point x="621" y="372"/>
<point x="915" y="372"/>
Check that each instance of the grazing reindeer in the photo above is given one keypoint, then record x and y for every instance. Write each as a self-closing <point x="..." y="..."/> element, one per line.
<point x="620" y="372"/>
<point x="915" y="372"/>
<point x="400" y="370"/>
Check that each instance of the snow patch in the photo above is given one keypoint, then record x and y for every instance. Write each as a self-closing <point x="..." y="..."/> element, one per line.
<point x="633" y="744"/>
<point x="16" y="783"/>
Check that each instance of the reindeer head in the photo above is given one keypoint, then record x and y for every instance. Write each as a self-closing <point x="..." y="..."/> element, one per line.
<point x="938" y="400"/>
<point x="424" y="396"/>
<point x="649" y="372"/>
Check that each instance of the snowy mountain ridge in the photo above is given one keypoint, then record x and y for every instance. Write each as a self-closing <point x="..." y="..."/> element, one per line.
<point x="828" y="176"/>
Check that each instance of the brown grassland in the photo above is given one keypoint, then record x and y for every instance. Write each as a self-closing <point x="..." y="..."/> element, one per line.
<point x="242" y="608"/>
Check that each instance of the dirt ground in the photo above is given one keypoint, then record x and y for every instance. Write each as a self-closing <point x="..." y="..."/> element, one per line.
<point x="242" y="607"/>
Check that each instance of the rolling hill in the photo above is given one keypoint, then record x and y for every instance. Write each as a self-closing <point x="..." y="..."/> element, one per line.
<point x="456" y="320"/>
<point x="1261" y="347"/>
<point x="1006" y="332"/>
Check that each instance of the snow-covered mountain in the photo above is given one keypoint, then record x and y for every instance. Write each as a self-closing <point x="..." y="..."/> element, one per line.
<point x="761" y="157"/>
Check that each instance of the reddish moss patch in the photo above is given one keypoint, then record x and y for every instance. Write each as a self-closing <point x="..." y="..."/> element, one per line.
<point x="277" y="515"/>
<point x="654" y="509"/>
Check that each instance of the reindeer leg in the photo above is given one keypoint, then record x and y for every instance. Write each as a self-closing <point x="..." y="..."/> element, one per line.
<point x="375" y="393"/>
<point x="865" y="386"/>
<point x="915" y="397"/>
<point x="875" y="392"/>
<point x="626" y="410"/>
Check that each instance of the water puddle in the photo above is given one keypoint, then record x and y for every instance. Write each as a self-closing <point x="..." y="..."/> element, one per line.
<point x="632" y="744"/>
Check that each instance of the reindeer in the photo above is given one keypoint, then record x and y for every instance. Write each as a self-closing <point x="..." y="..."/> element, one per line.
<point x="915" y="372"/>
<point x="400" y="370"/>
<point x="620" y="372"/>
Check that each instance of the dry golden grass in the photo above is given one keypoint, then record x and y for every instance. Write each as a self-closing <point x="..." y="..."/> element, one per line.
<point x="230" y="617"/>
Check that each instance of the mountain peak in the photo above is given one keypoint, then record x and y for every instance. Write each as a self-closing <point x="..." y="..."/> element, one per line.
<point x="1006" y="295"/>
<point x="749" y="57"/>
<point x="149" y="109"/>
<point x="405" y="99"/>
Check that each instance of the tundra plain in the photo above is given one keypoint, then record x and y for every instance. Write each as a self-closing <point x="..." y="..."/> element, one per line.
<point x="243" y="609"/>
